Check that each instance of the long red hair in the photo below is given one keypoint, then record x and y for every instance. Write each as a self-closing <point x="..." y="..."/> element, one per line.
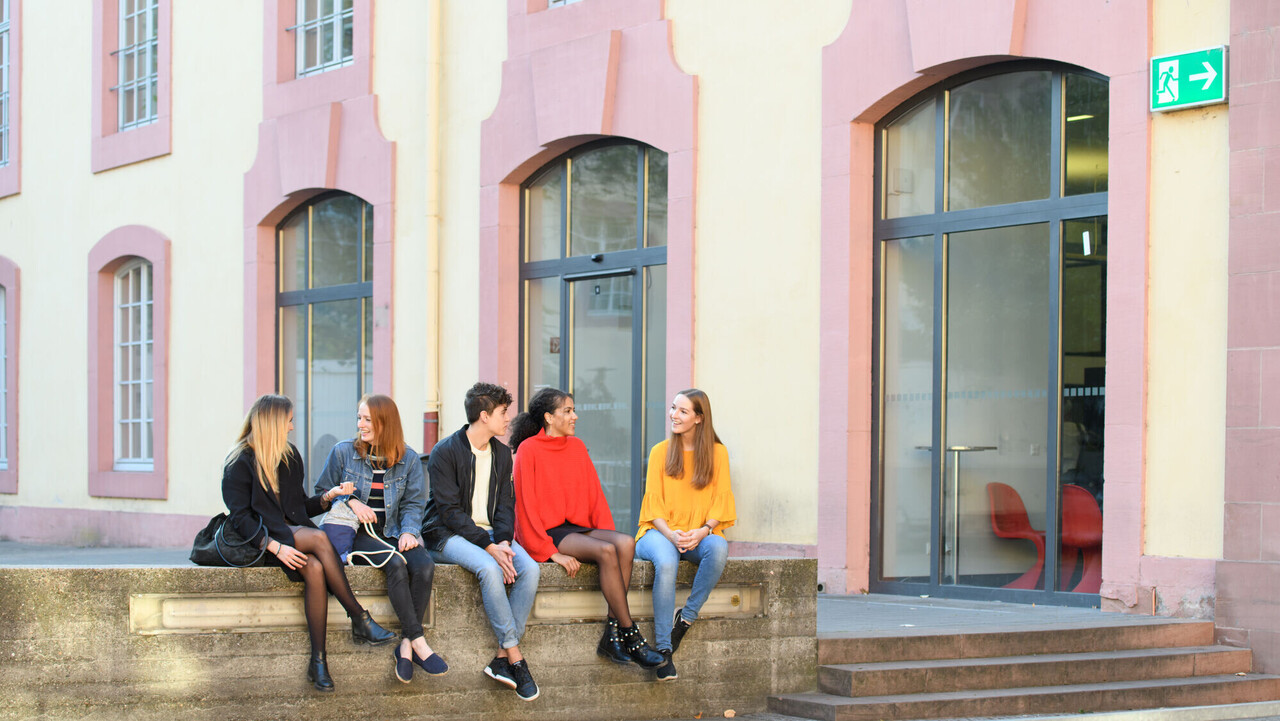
<point x="387" y="431"/>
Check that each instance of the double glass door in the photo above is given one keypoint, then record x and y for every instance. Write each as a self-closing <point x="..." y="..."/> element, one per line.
<point x="594" y="304"/>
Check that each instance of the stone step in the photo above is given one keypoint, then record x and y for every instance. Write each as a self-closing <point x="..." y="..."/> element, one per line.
<point x="914" y="677"/>
<point x="1022" y="642"/>
<point x="1079" y="698"/>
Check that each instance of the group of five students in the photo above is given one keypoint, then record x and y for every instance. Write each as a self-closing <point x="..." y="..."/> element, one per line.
<point x="495" y="510"/>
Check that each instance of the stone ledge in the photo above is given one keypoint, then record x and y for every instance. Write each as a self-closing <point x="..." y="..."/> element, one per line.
<point x="78" y="642"/>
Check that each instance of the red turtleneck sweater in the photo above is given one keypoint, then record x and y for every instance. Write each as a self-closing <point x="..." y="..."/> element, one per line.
<point x="556" y="483"/>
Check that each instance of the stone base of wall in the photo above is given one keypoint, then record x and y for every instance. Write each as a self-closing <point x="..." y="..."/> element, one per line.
<point x="225" y="644"/>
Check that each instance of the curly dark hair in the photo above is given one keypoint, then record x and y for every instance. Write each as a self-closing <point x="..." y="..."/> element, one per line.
<point x="528" y="424"/>
<point x="484" y="397"/>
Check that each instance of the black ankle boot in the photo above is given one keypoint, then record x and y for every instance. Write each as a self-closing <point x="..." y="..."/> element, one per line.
<point x="318" y="672"/>
<point x="611" y="646"/>
<point x="365" y="630"/>
<point x="638" y="649"/>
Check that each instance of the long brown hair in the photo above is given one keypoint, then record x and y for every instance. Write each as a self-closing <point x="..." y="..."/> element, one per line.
<point x="704" y="443"/>
<point x="387" y="431"/>
<point x="266" y="431"/>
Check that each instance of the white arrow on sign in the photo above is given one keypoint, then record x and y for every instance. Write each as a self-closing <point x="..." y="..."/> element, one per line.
<point x="1208" y="76"/>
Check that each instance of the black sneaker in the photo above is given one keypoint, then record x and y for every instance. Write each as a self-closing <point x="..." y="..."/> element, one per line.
<point x="679" y="627"/>
<point x="667" y="671"/>
<point x="499" y="669"/>
<point x="526" y="689"/>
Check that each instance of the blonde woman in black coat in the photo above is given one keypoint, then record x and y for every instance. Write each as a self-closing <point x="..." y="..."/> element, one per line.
<point x="262" y="485"/>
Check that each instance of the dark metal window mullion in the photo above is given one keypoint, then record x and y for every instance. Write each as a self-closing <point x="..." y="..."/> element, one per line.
<point x="1054" y="376"/>
<point x="938" y="408"/>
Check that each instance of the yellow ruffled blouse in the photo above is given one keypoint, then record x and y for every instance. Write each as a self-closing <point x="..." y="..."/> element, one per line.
<point x="676" y="501"/>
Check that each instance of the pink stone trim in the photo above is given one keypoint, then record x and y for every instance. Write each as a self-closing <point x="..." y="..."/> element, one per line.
<point x="84" y="527"/>
<point x="11" y="173"/>
<point x="112" y="148"/>
<point x="336" y="146"/>
<point x="283" y="92"/>
<point x="105" y="258"/>
<point x="594" y="69"/>
<point x="10" y="279"/>
<point x="1180" y="587"/>
<point x="913" y="44"/>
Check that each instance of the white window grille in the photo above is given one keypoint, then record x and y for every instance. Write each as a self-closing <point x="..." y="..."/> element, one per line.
<point x="137" y="60"/>
<point x="554" y="3"/>
<point x="4" y="82"/>
<point x="324" y="35"/>
<point x="134" y="333"/>
<point x="4" y="381"/>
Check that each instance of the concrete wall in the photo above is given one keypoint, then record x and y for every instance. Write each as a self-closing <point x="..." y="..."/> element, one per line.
<point x="218" y="643"/>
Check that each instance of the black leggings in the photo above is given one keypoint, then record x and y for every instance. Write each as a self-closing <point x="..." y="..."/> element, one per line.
<point x="408" y="589"/>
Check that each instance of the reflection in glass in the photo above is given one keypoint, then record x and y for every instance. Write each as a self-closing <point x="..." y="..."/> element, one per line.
<point x="601" y="386"/>
<point x="543" y="238"/>
<point x="1084" y="361"/>
<point x="999" y="140"/>
<point x="542" y="334"/>
<point x="335" y="377"/>
<point x="293" y="253"/>
<point x="656" y="199"/>
<point x="603" y="185"/>
<point x="294" y="341"/>
<point x="996" y="384"/>
<point x="1086" y="132"/>
<point x="655" y="359"/>
<point x="907" y="411"/>
<point x="337" y="226"/>
<point x="908" y="176"/>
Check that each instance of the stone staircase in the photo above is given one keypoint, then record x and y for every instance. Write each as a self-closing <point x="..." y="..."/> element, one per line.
<point x="1028" y="671"/>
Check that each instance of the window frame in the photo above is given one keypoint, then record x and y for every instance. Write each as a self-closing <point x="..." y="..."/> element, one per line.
<point x="1055" y="210"/>
<point x="146" y="375"/>
<point x="10" y="315"/>
<point x="113" y="146"/>
<point x="116" y="250"/>
<point x="144" y="49"/>
<point x="10" y="105"/>
<point x="342" y="56"/>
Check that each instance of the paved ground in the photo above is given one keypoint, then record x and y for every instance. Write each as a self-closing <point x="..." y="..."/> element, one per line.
<point x="869" y="615"/>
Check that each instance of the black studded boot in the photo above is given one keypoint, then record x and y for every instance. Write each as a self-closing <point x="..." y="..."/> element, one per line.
<point x="638" y="649"/>
<point x="611" y="646"/>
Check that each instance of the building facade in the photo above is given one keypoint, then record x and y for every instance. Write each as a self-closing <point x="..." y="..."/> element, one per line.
<point x="976" y="322"/>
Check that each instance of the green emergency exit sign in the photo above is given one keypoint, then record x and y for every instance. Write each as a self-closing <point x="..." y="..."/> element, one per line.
<point x="1187" y="80"/>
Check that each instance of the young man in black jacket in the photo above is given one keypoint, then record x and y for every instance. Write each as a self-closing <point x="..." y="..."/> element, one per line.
<point x="470" y="521"/>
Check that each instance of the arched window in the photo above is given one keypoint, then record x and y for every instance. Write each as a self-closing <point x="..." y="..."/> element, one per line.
<point x="991" y="247"/>
<point x="325" y="319"/>
<point x="594" y="303"/>
<point x="134" y="367"/>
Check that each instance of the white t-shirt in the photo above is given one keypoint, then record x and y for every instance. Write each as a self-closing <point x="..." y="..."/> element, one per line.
<point x="480" y="496"/>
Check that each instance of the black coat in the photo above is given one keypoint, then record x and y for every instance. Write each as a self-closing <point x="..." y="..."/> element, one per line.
<point x="247" y="501"/>
<point x="452" y="474"/>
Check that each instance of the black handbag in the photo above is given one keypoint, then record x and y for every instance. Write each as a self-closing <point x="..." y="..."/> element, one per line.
<point x="219" y="544"/>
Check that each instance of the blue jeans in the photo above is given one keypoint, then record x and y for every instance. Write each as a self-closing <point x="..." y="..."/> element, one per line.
<point x="711" y="554"/>
<point x="507" y="616"/>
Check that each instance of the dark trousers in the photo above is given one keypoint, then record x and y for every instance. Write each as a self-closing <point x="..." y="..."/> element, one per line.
<point x="409" y="588"/>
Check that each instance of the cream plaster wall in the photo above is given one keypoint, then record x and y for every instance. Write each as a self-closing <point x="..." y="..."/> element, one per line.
<point x="1187" y="321"/>
<point x="475" y="44"/>
<point x="756" y="261"/>
<point x="193" y="196"/>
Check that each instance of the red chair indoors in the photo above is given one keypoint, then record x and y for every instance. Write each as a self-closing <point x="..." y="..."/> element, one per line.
<point x="1082" y="530"/>
<point x="1009" y="520"/>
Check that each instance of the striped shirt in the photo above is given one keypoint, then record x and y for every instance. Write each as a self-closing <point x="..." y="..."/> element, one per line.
<point x="377" y="503"/>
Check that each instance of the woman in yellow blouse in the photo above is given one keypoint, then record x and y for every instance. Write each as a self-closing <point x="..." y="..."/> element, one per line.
<point x="687" y="506"/>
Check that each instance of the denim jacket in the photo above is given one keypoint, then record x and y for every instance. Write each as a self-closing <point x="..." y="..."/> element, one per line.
<point x="404" y="488"/>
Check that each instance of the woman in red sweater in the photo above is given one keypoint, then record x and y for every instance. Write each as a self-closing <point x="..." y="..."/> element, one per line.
<point x="562" y="515"/>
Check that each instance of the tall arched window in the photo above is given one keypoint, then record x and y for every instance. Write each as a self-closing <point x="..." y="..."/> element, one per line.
<point x="594" y="303"/>
<point x="134" y="375"/>
<point x="991" y="245"/>
<point x="325" y="321"/>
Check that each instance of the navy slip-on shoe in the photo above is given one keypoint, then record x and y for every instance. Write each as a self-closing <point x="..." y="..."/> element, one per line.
<point x="433" y="664"/>
<point x="404" y="667"/>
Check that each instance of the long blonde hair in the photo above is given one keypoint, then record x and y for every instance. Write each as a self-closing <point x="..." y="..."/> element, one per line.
<point x="704" y="444"/>
<point x="388" y="434"/>
<point x="266" y="432"/>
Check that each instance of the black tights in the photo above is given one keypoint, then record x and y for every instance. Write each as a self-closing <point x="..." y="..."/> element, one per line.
<point x="322" y="574"/>
<point x="613" y="552"/>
